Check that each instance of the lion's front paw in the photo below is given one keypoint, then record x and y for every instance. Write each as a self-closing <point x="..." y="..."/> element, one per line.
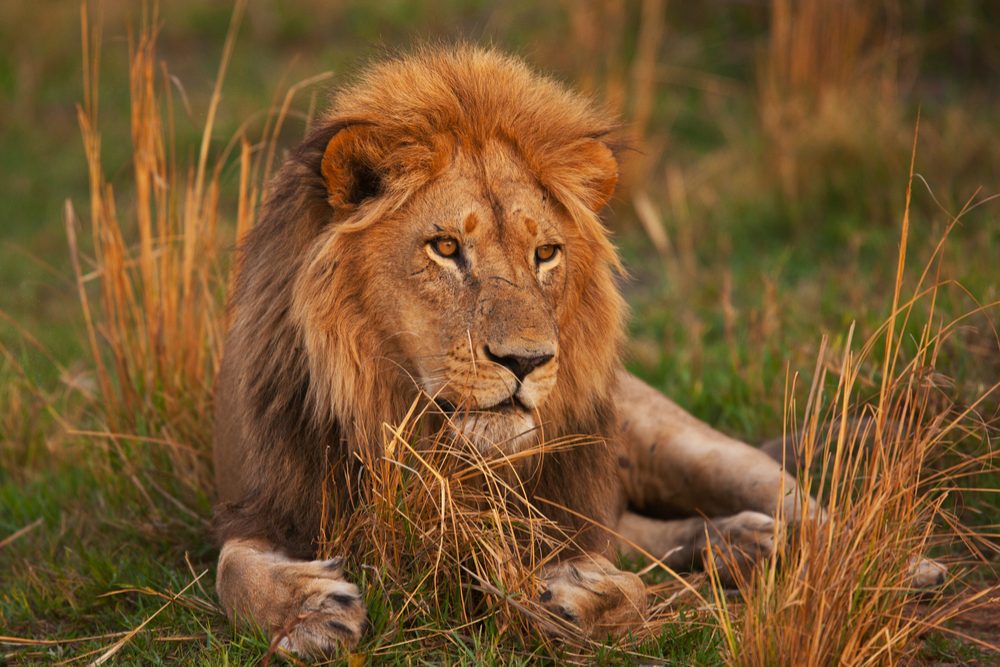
<point x="740" y="541"/>
<point x="328" y="611"/>
<point x="325" y="612"/>
<point x="307" y="606"/>
<point x="595" y="596"/>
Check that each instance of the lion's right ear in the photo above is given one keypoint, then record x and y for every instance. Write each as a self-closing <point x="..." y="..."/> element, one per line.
<point x="350" y="167"/>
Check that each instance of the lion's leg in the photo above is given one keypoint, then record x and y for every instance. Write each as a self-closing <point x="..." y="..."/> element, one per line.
<point x="738" y="541"/>
<point x="307" y="605"/>
<point x="593" y="595"/>
<point x="674" y="465"/>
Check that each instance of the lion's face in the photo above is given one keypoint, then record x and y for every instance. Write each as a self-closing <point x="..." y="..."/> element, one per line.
<point x="458" y="253"/>
<point x="475" y="274"/>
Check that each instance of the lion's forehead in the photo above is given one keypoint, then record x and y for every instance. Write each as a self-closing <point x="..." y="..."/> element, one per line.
<point x="478" y="205"/>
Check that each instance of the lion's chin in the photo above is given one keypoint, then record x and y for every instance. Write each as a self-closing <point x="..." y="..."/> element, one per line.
<point x="506" y="432"/>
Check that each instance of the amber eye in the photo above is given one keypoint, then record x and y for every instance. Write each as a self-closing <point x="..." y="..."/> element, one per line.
<point x="546" y="253"/>
<point x="445" y="246"/>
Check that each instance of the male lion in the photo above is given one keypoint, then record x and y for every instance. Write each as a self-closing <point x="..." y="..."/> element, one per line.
<point x="438" y="234"/>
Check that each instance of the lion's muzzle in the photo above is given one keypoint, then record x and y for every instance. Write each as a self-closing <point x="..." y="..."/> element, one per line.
<point x="520" y="362"/>
<point x="493" y="390"/>
<point x="527" y="363"/>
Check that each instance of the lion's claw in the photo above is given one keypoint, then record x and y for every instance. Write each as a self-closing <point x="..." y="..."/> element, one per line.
<point x="593" y="595"/>
<point x="740" y="541"/>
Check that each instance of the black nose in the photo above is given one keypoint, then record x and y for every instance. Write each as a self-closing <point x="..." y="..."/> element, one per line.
<point x="518" y="364"/>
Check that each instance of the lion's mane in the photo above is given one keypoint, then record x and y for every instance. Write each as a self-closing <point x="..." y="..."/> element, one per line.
<point x="304" y="383"/>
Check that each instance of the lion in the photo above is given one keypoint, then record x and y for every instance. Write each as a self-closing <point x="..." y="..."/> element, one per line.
<point x="438" y="234"/>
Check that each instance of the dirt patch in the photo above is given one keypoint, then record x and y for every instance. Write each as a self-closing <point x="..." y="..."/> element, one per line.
<point x="975" y="631"/>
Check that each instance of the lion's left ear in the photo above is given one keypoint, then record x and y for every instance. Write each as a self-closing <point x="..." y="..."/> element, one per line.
<point x="584" y="172"/>
<point x="350" y="166"/>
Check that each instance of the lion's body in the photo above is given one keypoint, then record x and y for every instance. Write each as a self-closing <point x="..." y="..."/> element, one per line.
<point x="438" y="235"/>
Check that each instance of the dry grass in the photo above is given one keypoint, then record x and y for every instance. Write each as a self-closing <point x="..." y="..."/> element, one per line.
<point x="449" y="539"/>
<point x="445" y="534"/>
<point x="150" y="293"/>
<point x="840" y="591"/>
<point x="153" y="291"/>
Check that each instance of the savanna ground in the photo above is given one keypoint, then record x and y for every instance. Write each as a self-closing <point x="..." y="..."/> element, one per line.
<point x="761" y="217"/>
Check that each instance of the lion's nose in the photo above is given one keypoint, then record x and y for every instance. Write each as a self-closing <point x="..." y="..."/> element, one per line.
<point x="520" y="363"/>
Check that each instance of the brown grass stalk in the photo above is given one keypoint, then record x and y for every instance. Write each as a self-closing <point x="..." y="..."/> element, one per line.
<point x="840" y="591"/>
<point x="151" y="290"/>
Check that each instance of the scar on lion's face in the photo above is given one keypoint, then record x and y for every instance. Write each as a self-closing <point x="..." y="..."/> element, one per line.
<point x="482" y="334"/>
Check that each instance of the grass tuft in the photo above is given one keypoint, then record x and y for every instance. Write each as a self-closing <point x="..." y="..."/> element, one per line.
<point x="448" y="539"/>
<point x="842" y="590"/>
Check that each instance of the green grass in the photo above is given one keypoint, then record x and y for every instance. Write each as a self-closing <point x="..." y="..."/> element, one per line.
<point x="102" y="549"/>
<point x="62" y="572"/>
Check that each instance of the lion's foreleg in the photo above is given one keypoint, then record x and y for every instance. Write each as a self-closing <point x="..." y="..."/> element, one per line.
<point x="307" y="606"/>
<point x="672" y="464"/>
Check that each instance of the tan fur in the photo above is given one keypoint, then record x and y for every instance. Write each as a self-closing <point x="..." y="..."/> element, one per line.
<point x="345" y="311"/>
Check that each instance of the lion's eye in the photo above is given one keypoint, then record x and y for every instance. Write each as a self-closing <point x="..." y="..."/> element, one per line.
<point x="546" y="253"/>
<point x="445" y="246"/>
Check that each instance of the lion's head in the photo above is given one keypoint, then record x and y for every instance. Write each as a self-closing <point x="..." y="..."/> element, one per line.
<point x="457" y="251"/>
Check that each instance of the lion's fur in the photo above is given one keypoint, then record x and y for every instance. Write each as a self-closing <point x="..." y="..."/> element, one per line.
<point x="310" y="370"/>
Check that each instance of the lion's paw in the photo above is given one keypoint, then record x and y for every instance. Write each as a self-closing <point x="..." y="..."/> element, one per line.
<point x="740" y="541"/>
<point x="593" y="595"/>
<point x="327" y="611"/>
<point x="307" y="606"/>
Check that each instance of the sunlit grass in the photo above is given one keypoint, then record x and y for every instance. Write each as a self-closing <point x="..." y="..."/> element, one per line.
<point x="841" y="590"/>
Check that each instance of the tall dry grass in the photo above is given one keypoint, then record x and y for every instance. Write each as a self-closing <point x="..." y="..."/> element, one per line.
<point x="827" y="88"/>
<point x="150" y="292"/>
<point x="841" y="590"/>
<point x="152" y="279"/>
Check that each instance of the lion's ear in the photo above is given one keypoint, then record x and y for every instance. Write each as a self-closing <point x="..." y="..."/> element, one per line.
<point x="586" y="170"/>
<point x="350" y="167"/>
<point x="600" y="169"/>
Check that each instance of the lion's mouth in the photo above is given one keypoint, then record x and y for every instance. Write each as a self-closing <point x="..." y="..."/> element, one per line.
<point x="510" y="404"/>
<point x="508" y="424"/>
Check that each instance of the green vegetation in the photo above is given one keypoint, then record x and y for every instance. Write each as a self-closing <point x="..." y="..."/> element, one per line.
<point x="760" y="212"/>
